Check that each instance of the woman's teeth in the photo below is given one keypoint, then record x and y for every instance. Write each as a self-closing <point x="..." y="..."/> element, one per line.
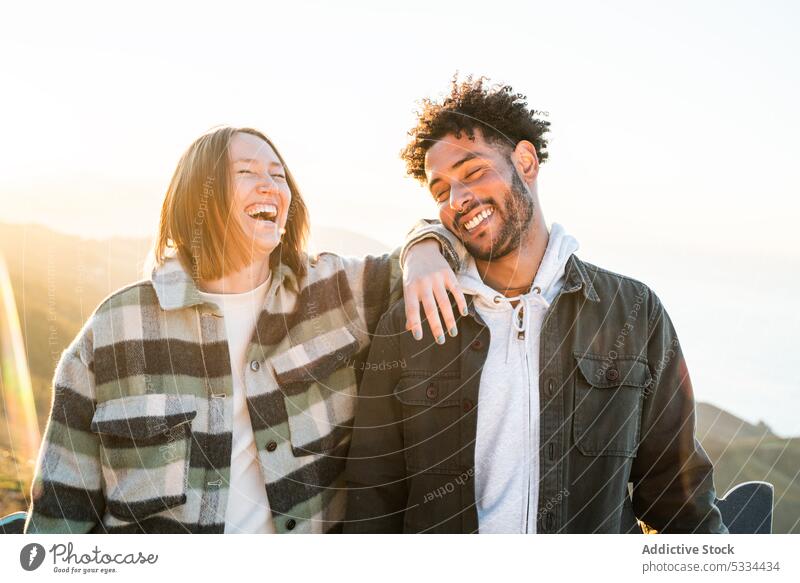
<point x="262" y="212"/>
<point x="478" y="219"/>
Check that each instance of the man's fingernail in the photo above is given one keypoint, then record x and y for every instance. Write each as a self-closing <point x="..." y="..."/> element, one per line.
<point x="440" y="339"/>
<point x="417" y="334"/>
<point x="464" y="311"/>
<point x="453" y="331"/>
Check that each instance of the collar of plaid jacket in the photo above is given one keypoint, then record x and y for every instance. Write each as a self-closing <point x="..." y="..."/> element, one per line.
<point x="176" y="289"/>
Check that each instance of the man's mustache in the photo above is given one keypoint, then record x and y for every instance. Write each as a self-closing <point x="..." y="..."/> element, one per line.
<point x="459" y="216"/>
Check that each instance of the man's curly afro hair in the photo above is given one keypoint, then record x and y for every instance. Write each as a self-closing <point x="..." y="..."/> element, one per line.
<point x="502" y="116"/>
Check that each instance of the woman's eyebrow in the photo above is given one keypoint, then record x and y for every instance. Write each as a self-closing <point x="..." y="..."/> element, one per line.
<point x="254" y="161"/>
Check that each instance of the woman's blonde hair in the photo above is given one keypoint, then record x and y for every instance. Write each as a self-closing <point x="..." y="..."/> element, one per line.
<point x="195" y="219"/>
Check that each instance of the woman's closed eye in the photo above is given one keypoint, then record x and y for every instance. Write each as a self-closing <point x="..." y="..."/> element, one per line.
<point x="277" y="175"/>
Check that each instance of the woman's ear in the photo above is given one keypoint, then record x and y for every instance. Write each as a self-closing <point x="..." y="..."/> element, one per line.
<point x="526" y="161"/>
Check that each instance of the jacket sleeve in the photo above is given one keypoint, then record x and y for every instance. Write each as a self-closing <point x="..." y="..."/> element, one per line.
<point x="67" y="493"/>
<point x="377" y="281"/>
<point x="376" y="471"/>
<point x="452" y="247"/>
<point x="673" y="488"/>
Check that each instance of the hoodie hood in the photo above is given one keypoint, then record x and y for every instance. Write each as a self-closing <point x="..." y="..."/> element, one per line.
<point x="548" y="280"/>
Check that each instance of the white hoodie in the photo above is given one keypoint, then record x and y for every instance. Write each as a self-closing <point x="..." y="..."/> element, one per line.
<point x="507" y="445"/>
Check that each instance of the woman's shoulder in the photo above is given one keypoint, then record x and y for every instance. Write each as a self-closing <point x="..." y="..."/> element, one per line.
<point x="137" y="293"/>
<point x="325" y="264"/>
<point x="111" y="320"/>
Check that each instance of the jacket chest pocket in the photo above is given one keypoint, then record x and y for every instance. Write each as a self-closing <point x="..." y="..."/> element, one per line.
<point x="145" y="443"/>
<point x="319" y="391"/>
<point x="431" y="423"/>
<point x="608" y="404"/>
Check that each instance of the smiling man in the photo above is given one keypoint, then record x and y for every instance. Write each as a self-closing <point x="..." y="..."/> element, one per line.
<point x="564" y="404"/>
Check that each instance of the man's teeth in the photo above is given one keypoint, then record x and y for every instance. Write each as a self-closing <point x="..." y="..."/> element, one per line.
<point x="262" y="211"/>
<point x="478" y="219"/>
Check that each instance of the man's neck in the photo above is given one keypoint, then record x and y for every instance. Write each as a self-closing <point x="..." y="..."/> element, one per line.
<point x="514" y="273"/>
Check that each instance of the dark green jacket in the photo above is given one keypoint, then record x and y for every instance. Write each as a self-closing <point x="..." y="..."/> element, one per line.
<point x="617" y="421"/>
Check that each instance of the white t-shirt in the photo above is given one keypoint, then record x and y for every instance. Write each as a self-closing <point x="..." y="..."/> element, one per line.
<point x="248" y="508"/>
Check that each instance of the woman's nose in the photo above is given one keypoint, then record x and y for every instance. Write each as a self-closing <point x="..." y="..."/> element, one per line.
<point x="267" y="185"/>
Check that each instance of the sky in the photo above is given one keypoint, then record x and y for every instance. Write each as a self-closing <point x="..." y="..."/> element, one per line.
<point x="673" y="139"/>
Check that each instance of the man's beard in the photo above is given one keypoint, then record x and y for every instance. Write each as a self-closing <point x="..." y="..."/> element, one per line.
<point x="516" y="217"/>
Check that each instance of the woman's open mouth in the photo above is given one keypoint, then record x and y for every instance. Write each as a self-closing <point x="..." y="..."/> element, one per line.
<point x="262" y="212"/>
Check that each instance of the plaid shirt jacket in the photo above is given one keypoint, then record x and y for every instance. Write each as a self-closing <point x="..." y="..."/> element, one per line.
<point x="140" y="432"/>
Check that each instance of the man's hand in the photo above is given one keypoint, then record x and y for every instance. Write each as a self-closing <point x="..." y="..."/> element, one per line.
<point x="427" y="278"/>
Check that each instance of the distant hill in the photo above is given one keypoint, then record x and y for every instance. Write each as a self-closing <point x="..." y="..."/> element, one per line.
<point x="59" y="279"/>
<point x="344" y="242"/>
<point x="742" y="452"/>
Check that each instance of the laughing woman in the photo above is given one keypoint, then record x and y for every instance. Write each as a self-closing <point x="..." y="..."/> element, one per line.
<point x="218" y="395"/>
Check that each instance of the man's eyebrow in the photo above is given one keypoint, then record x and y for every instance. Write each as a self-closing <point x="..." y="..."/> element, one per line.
<point x="464" y="160"/>
<point x="456" y="165"/>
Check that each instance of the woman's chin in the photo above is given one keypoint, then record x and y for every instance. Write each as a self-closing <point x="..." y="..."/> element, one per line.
<point x="262" y="240"/>
<point x="263" y="247"/>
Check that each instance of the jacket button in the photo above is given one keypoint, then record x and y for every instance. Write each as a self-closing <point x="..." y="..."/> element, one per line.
<point x="290" y="524"/>
<point x="431" y="391"/>
<point x="468" y="405"/>
<point x="255" y="365"/>
<point x="476" y="344"/>
<point x="612" y="375"/>
<point x="551" y="388"/>
<point x="272" y="446"/>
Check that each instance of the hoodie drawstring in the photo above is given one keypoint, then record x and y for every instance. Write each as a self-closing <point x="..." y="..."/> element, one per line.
<point x="520" y="316"/>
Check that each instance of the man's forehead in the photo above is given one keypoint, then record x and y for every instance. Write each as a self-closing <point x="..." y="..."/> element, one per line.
<point x="452" y="150"/>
